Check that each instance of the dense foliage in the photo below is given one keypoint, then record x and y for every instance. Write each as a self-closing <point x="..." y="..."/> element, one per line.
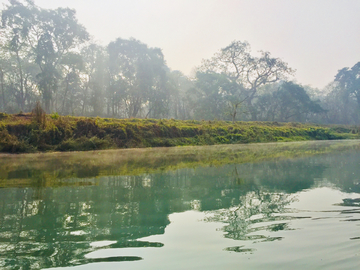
<point x="46" y="56"/>
<point x="39" y="132"/>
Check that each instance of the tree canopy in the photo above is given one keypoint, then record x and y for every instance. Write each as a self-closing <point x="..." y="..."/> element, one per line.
<point x="46" y="55"/>
<point x="249" y="72"/>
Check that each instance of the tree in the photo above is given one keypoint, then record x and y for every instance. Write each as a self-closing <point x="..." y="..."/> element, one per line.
<point x="235" y="96"/>
<point x="210" y="103"/>
<point x="43" y="37"/>
<point x="60" y="33"/>
<point x="181" y="96"/>
<point x="16" y="22"/>
<point x="95" y="78"/>
<point x="72" y="65"/>
<point x="289" y="102"/>
<point x="137" y="77"/>
<point x="341" y="107"/>
<point x="217" y="96"/>
<point x="2" y="85"/>
<point x="348" y="81"/>
<point x="236" y="62"/>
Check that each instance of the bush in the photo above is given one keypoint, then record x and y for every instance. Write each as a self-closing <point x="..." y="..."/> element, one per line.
<point x="39" y="115"/>
<point x="11" y="144"/>
<point x="3" y="116"/>
<point x="54" y="116"/>
<point x="86" y="144"/>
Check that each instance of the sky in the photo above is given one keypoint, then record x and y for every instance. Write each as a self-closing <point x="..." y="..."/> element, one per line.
<point x="315" y="37"/>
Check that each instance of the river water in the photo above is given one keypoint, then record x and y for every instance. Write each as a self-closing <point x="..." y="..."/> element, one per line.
<point x="269" y="206"/>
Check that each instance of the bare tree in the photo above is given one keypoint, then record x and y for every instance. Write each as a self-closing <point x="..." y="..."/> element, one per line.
<point x="236" y="62"/>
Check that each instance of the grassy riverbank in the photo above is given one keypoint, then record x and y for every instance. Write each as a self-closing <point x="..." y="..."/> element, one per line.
<point x="24" y="133"/>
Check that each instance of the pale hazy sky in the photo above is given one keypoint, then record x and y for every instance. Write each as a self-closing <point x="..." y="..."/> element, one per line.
<point x="315" y="37"/>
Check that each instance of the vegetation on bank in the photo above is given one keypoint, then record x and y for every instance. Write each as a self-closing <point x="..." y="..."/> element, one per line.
<point x="38" y="132"/>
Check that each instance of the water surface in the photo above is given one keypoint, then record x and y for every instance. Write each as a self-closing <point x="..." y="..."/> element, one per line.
<point x="269" y="206"/>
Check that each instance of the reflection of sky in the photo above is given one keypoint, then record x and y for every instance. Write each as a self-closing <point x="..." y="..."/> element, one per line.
<point x="321" y="199"/>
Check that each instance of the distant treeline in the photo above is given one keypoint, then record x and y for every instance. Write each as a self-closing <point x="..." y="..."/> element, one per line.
<point x="47" y="56"/>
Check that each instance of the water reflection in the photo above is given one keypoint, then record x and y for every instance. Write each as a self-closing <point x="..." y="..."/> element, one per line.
<point x="255" y="207"/>
<point x="43" y="227"/>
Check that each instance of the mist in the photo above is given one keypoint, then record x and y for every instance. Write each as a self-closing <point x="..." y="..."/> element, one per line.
<point x="48" y="55"/>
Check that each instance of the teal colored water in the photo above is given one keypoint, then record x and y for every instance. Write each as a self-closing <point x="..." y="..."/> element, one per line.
<point x="282" y="213"/>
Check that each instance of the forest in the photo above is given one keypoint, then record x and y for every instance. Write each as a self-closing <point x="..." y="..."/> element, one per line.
<point x="47" y="56"/>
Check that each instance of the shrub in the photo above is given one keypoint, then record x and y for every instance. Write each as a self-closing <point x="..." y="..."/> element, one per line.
<point x="55" y="116"/>
<point x="87" y="128"/>
<point x="39" y="115"/>
<point x="85" y="144"/>
<point x="11" y="144"/>
<point x="3" y="115"/>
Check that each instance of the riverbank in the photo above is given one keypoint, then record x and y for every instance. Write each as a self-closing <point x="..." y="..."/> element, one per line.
<point x="29" y="133"/>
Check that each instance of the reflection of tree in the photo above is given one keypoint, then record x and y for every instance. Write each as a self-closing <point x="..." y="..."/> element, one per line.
<point x="253" y="208"/>
<point x="56" y="227"/>
<point x="236" y="176"/>
<point x="288" y="175"/>
<point x="343" y="171"/>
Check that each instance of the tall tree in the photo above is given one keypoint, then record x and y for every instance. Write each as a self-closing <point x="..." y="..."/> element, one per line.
<point x="210" y="103"/>
<point x="249" y="72"/>
<point x="348" y="80"/>
<point x="137" y="76"/>
<point x="43" y="36"/>
<point x="217" y="96"/>
<point x="181" y="96"/>
<point x="2" y="85"/>
<point x="288" y="102"/>
<point x="95" y="78"/>
<point x="17" y="20"/>
<point x="72" y="64"/>
<point x="60" y="33"/>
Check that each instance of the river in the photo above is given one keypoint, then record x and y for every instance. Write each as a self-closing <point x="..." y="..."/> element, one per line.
<point x="265" y="206"/>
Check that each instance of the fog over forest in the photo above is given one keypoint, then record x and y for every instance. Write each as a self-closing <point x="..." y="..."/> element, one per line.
<point x="46" y="55"/>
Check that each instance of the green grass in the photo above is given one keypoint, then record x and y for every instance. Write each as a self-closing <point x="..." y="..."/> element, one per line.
<point x="23" y="134"/>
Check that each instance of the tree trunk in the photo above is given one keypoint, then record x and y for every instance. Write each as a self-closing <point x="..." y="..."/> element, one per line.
<point x="65" y="94"/>
<point x="3" y="102"/>
<point x="22" y="101"/>
<point x="234" y="115"/>
<point x="252" y="110"/>
<point x="84" y="101"/>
